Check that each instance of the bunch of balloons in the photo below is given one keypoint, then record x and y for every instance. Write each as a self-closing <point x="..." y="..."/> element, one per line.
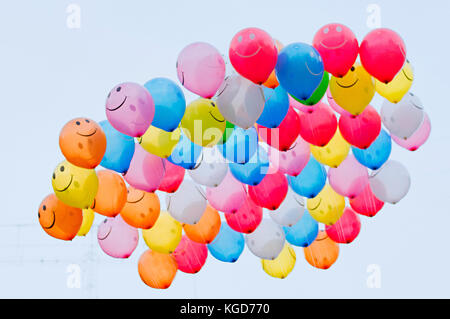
<point x="286" y="142"/>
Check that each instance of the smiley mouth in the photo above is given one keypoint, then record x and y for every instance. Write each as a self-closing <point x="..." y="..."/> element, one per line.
<point x="347" y="86"/>
<point x="118" y="107"/>
<point x="53" y="223"/>
<point x="406" y="76"/>
<point x="70" y="183"/>
<point x="137" y="201"/>
<point x="103" y="238"/>
<point x="248" y="56"/>
<point x="307" y="66"/>
<point x="318" y="204"/>
<point x="292" y="147"/>
<point x="140" y="140"/>
<point x="182" y="80"/>
<point x="323" y="238"/>
<point x="216" y="118"/>
<point x="87" y="135"/>
<point x="199" y="163"/>
<point x="335" y="47"/>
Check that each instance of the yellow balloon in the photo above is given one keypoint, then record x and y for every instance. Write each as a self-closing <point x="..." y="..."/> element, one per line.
<point x="202" y="123"/>
<point x="75" y="186"/>
<point x="399" y="86"/>
<point x="281" y="266"/>
<point x="159" y="142"/>
<point x="88" y="219"/>
<point x="333" y="153"/>
<point x="354" y="91"/>
<point x="165" y="235"/>
<point x="327" y="207"/>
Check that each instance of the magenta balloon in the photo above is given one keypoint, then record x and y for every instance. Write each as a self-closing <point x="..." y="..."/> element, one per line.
<point x="190" y="256"/>
<point x="173" y="177"/>
<point x="271" y="191"/>
<point x="346" y="229"/>
<point x="116" y="238"/>
<point x="201" y="69"/>
<point x="293" y="160"/>
<point x="247" y="218"/>
<point x="418" y="138"/>
<point x="366" y="203"/>
<point x="349" y="178"/>
<point x="228" y="196"/>
<point x="335" y="106"/>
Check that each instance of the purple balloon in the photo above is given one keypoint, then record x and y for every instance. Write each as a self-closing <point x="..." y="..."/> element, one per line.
<point x="116" y="238"/>
<point x="292" y="161"/>
<point x="228" y="196"/>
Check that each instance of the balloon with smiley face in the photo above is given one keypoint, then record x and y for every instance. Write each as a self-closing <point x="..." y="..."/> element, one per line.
<point x="281" y="266"/>
<point x="323" y="252"/>
<point x="157" y="270"/>
<point x="247" y="218"/>
<point x="399" y="86"/>
<point x="327" y="207"/>
<point x="116" y="238"/>
<point x="141" y="209"/>
<point x="111" y="195"/>
<point x="130" y="109"/>
<point x="165" y="235"/>
<point x="159" y="142"/>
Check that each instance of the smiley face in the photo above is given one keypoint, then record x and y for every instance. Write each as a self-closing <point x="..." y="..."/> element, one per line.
<point x="141" y="209"/>
<point x="327" y="207"/>
<point x="395" y="90"/>
<point x="116" y="238"/>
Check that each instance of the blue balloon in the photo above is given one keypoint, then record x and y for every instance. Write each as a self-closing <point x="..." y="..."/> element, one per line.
<point x="299" y="69"/>
<point x="275" y="108"/>
<point x="377" y="154"/>
<point x="304" y="232"/>
<point x="185" y="153"/>
<point x="228" y="244"/>
<point x="240" y="146"/>
<point x="310" y="181"/>
<point x="252" y="172"/>
<point x="170" y="103"/>
<point x="119" y="149"/>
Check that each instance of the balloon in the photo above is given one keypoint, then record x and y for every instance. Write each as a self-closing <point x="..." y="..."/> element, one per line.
<point x="310" y="181"/>
<point x="82" y="142"/>
<point x="130" y="109"/>
<point x="58" y="219"/>
<point x="74" y="186"/>
<point x="322" y="253"/>
<point x="228" y="196"/>
<point x="211" y="168"/>
<point x="346" y="228"/>
<point x="292" y="161"/>
<point x="338" y="47"/>
<point x="399" y="86"/>
<point x="240" y="146"/>
<point x="404" y="118"/>
<point x="188" y="203"/>
<point x="327" y="207"/>
<point x="170" y="103"/>
<point x="361" y="130"/>
<point x="391" y="182"/>
<point x="88" y="220"/>
<point x="283" y="136"/>
<point x="377" y="153"/>
<point x="275" y="107"/>
<point x="190" y="256"/>
<point x="366" y="203"/>
<point x="119" y="149"/>
<point x="253" y="54"/>
<point x="228" y="245"/>
<point x="116" y="238"/>
<point x="111" y="195"/>
<point x="272" y="81"/>
<point x="173" y="177"/>
<point x="382" y="53"/>
<point x="290" y="211"/>
<point x="271" y="191"/>
<point x="299" y="70"/>
<point x="240" y="101"/>
<point x="185" y="153"/>
<point x="201" y="69"/>
<point x="334" y="152"/>
<point x="354" y="91"/>
<point x="247" y="218"/>
<point x="165" y="235"/>
<point x="318" y="94"/>
<point x="141" y="209"/>
<point x="252" y="172"/>
<point x="146" y="170"/>
<point x="304" y="232"/>
<point x="206" y="229"/>
<point x="318" y="126"/>
<point x="203" y="123"/>
<point x="157" y="270"/>
<point x="159" y="142"/>
<point x="267" y="241"/>
<point x="350" y="178"/>
<point x="335" y="106"/>
<point x="418" y="138"/>
<point x="281" y="266"/>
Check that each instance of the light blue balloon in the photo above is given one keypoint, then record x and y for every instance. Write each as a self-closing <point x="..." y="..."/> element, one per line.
<point x="304" y="232"/>
<point x="185" y="153"/>
<point x="299" y="69"/>
<point x="377" y="153"/>
<point x="310" y="181"/>
<point x="275" y="108"/>
<point x="119" y="149"/>
<point x="240" y="146"/>
<point x="228" y="244"/>
<point x="254" y="170"/>
<point x="170" y="103"/>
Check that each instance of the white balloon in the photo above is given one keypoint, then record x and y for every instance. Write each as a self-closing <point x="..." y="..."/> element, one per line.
<point x="391" y="182"/>
<point x="188" y="203"/>
<point x="211" y="168"/>
<point x="290" y="211"/>
<point x="267" y="241"/>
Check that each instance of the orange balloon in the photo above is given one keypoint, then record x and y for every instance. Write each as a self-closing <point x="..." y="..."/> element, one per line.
<point x="206" y="229"/>
<point x="83" y="142"/>
<point x="157" y="270"/>
<point x="111" y="195"/>
<point x="323" y="252"/>
<point x="141" y="209"/>
<point x="58" y="219"/>
<point x="272" y="81"/>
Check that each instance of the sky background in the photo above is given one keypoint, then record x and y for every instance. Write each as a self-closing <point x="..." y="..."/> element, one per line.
<point x="50" y="73"/>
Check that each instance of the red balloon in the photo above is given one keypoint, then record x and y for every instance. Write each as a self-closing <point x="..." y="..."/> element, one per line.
<point x="271" y="191"/>
<point x="173" y="177"/>
<point x="366" y="203"/>
<point x="283" y="136"/>
<point x="253" y="54"/>
<point x="190" y="256"/>
<point x="247" y="218"/>
<point x="346" y="229"/>
<point x="317" y="126"/>
<point x="361" y="130"/>
<point x="382" y="54"/>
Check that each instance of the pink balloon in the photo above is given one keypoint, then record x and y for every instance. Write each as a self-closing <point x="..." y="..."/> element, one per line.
<point x="338" y="48"/>
<point x="116" y="238"/>
<point x="361" y="130"/>
<point x="130" y="108"/>
<point x="346" y="229"/>
<point x="247" y="218"/>
<point x="228" y="196"/>
<point x="190" y="256"/>
<point x="349" y="178"/>
<point x="173" y="177"/>
<point x="382" y="54"/>
<point x="146" y="170"/>
<point x="418" y="138"/>
<point x="201" y="69"/>
<point x="366" y="203"/>
<point x="271" y="191"/>
<point x="292" y="161"/>
<point x="299" y="106"/>
<point x="335" y="106"/>
<point x="318" y="126"/>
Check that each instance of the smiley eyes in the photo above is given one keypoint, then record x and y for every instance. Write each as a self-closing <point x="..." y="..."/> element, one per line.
<point x="252" y="36"/>
<point x="118" y="89"/>
<point x="214" y="105"/>
<point x="240" y="38"/>
<point x="77" y="123"/>
<point x="61" y="168"/>
<point x="44" y="207"/>
<point x="87" y="121"/>
<point x="338" y="29"/>
<point x="105" y="221"/>
<point x="352" y="69"/>
<point x="54" y="176"/>
<point x="326" y="30"/>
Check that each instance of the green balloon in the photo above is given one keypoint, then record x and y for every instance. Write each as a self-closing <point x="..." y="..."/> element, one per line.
<point x="319" y="92"/>
<point x="229" y="128"/>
